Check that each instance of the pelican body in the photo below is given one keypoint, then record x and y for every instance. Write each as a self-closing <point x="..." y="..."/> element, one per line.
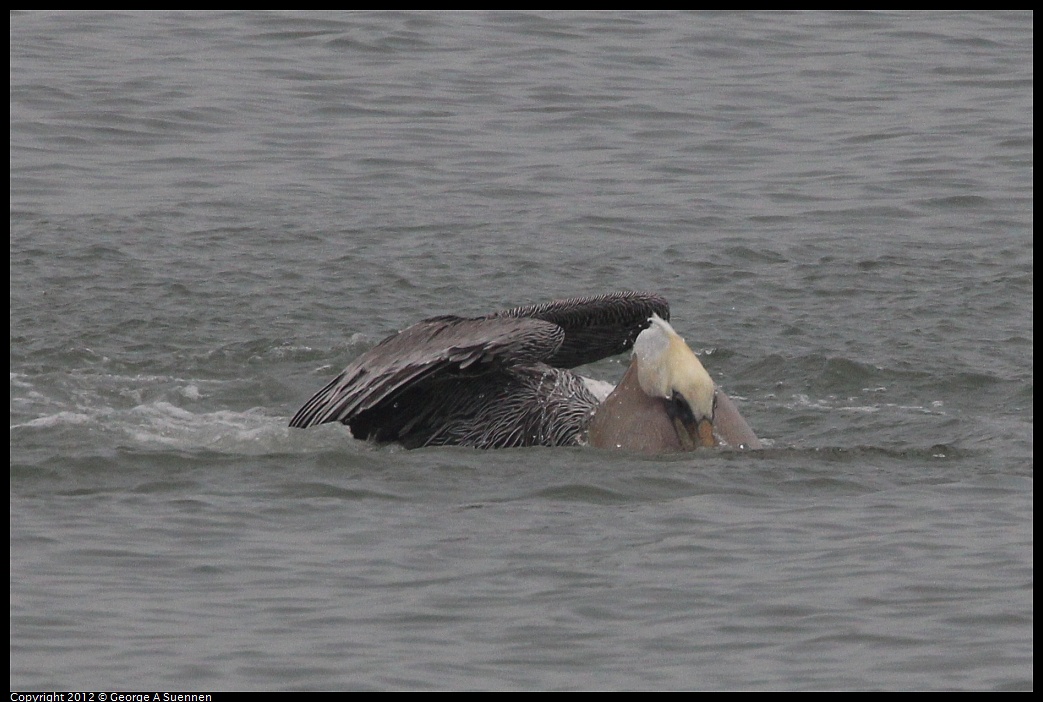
<point x="505" y="380"/>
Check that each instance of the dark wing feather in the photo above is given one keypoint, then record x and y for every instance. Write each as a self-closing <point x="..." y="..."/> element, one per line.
<point x="436" y="348"/>
<point x="595" y="327"/>
<point x="525" y="405"/>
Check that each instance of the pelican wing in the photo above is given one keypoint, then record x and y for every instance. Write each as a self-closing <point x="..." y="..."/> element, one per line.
<point x="431" y="351"/>
<point x="595" y="327"/>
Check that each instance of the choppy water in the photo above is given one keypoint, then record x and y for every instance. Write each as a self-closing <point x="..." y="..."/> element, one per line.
<point x="212" y="213"/>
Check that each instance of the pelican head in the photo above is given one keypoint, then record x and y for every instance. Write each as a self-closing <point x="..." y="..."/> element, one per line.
<point x="668" y="369"/>
<point x="665" y="401"/>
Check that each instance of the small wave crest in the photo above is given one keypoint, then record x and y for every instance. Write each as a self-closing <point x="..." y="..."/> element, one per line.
<point x="142" y="412"/>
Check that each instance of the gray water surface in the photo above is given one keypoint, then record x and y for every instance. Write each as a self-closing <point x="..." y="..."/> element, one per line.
<point x="212" y="213"/>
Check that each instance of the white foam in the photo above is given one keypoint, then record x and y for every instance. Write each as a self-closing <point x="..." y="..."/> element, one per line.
<point x="56" y="419"/>
<point x="145" y="410"/>
<point x="249" y="431"/>
<point x="852" y="404"/>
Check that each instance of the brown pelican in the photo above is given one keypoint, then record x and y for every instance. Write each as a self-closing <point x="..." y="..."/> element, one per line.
<point x="503" y="380"/>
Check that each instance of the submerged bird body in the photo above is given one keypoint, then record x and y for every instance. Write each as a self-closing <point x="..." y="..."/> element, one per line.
<point x="503" y="380"/>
